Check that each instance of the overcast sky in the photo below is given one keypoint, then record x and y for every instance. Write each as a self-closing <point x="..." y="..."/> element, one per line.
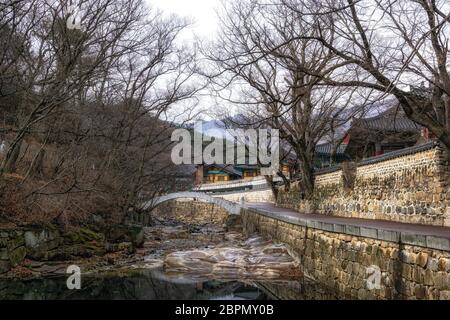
<point x="203" y="12"/>
<point x="204" y="26"/>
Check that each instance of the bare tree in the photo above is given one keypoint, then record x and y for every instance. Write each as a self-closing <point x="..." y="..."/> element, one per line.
<point x="279" y="79"/>
<point x="91" y="132"/>
<point x="389" y="46"/>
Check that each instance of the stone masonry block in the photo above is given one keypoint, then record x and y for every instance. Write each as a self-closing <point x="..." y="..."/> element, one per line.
<point x="438" y="243"/>
<point x="353" y="230"/>
<point x="369" y="233"/>
<point x="413" y="239"/>
<point x="327" y="227"/>
<point x="386" y="235"/>
<point x="340" y="228"/>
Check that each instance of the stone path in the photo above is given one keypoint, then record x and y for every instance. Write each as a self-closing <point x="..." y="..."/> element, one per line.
<point x="414" y="234"/>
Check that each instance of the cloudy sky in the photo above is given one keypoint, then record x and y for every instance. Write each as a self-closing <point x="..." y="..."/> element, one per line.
<point x="204" y="26"/>
<point x="203" y="12"/>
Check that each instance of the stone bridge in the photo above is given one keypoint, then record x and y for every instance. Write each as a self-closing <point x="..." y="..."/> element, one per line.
<point x="231" y="207"/>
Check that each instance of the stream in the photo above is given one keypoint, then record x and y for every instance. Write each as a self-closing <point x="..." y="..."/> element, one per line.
<point x="154" y="285"/>
<point x="186" y="262"/>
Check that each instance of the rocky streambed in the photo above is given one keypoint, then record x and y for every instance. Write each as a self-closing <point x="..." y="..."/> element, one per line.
<point x="38" y="251"/>
<point x="235" y="258"/>
<point x="208" y="251"/>
<point x="173" y="252"/>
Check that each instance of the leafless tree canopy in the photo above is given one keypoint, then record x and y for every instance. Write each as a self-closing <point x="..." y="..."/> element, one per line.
<point x="306" y="67"/>
<point x="86" y="113"/>
<point x="266" y="51"/>
<point x="390" y="46"/>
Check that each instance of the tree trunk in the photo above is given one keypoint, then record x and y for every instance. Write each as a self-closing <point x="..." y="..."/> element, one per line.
<point x="36" y="168"/>
<point x="286" y="181"/>
<point x="273" y="187"/>
<point x="10" y="161"/>
<point x="307" y="172"/>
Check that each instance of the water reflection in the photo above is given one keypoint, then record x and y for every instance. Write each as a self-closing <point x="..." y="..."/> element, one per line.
<point x="136" y="285"/>
<point x="306" y="289"/>
<point x="155" y="285"/>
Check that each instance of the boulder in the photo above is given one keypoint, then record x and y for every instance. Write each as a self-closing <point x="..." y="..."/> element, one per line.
<point x="12" y="249"/>
<point x="40" y="242"/>
<point x="17" y="255"/>
<point x="121" y="233"/>
<point x="82" y="236"/>
<point x="50" y="244"/>
<point x="254" y="259"/>
<point x="83" y="250"/>
<point x="16" y="240"/>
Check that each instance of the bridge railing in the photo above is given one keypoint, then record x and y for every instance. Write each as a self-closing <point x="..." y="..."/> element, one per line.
<point x="241" y="185"/>
<point x="231" y="207"/>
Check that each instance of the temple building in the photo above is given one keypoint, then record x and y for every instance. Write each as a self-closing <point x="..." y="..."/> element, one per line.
<point x="216" y="173"/>
<point x="388" y="131"/>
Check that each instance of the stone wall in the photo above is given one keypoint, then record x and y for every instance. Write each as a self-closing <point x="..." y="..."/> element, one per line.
<point x="249" y="196"/>
<point x="340" y="261"/>
<point x="189" y="211"/>
<point x="43" y="244"/>
<point x="407" y="186"/>
<point x="51" y="244"/>
<point x="12" y="249"/>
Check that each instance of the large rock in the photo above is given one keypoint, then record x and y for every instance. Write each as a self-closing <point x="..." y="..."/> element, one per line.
<point x="16" y="240"/>
<point x="17" y="255"/>
<point x="121" y="234"/>
<point x="40" y="242"/>
<point x="255" y="259"/>
<point x="80" y="242"/>
<point x="50" y="244"/>
<point x="12" y="249"/>
<point x="45" y="243"/>
<point x="82" y="235"/>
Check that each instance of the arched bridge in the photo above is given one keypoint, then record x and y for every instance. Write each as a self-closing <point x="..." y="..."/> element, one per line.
<point x="231" y="207"/>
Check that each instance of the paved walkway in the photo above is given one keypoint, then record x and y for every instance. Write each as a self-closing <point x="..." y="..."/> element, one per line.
<point x="414" y="234"/>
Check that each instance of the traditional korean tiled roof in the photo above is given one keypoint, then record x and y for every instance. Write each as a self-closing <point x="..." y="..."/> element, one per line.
<point x="399" y="153"/>
<point x="391" y="120"/>
<point x="247" y="166"/>
<point x="225" y="168"/>
<point x="384" y="157"/>
<point x="326" y="148"/>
